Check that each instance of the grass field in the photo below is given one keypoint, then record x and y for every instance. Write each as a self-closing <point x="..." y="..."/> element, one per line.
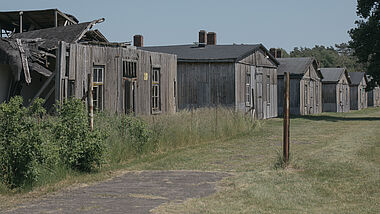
<point x="335" y="168"/>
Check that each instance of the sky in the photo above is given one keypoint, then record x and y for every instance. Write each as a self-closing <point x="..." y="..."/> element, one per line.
<point x="274" y="23"/>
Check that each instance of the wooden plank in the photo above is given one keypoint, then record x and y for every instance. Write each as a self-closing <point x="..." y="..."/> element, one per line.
<point x="24" y="61"/>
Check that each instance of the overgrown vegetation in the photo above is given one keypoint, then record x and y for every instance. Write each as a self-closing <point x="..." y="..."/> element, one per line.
<point x="33" y="144"/>
<point x="39" y="149"/>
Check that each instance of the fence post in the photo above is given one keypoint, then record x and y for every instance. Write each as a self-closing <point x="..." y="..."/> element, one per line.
<point x="90" y="101"/>
<point x="286" y="118"/>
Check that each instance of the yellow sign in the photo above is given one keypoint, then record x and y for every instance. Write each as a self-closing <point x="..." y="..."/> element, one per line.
<point x="145" y="76"/>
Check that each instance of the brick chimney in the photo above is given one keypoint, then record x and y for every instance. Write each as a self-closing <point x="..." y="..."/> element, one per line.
<point x="273" y="52"/>
<point x="138" y="41"/>
<point x="202" y="37"/>
<point x="211" y="38"/>
<point x="278" y="53"/>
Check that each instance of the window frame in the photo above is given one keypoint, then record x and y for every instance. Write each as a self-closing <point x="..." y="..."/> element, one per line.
<point x="98" y="85"/>
<point x="248" y="89"/>
<point x="156" y="90"/>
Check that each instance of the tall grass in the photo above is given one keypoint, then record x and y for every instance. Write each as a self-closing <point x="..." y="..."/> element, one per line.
<point x="170" y="131"/>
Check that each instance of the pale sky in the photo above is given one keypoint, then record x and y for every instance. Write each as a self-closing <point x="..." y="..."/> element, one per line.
<point x="274" y="23"/>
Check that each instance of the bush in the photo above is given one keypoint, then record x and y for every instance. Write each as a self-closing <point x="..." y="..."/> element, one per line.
<point x="20" y="143"/>
<point x="137" y="131"/>
<point x="79" y="147"/>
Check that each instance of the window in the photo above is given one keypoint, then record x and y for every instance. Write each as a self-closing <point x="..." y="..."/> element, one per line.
<point x="156" y="98"/>
<point x="98" y="75"/>
<point x="247" y="89"/>
<point x="129" y="69"/>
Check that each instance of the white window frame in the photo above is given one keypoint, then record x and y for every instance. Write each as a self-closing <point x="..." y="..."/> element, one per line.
<point x="98" y="87"/>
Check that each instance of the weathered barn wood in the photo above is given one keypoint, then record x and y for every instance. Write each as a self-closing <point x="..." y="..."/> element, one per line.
<point x="305" y="85"/>
<point x="374" y="97"/>
<point x="126" y="80"/>
<point x="243" y="77"/>
<point x="335" y="90"/>
<point x="35" y="50"/>
<point x="358" y="95"/>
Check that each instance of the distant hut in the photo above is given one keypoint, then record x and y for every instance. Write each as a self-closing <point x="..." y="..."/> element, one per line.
<point x="305" y="85"/>
<point x="243" y="77"/>
<point x="358" y="95"/>
<point x="373" y="94"/>
<point x="335" y="90"/>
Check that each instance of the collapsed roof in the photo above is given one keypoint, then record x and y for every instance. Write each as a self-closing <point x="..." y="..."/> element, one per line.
<point x="70" y="34"/>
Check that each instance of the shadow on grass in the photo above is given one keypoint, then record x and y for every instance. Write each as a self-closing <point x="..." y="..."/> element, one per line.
<point x="335" y="118"/>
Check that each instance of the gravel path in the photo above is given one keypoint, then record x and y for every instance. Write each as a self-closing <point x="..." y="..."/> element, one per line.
<point x="133" y="192"/>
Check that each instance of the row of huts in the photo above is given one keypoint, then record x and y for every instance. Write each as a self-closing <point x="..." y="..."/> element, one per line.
<point x="49" y="54"/>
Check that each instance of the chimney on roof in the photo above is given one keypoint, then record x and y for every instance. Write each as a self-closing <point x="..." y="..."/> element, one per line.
<point x="273" y="52"/>
<point x="138" y="41"/>
<point x="202" y="37"/>
<point x="211" y="38"/>
<point x="278" y="53"/>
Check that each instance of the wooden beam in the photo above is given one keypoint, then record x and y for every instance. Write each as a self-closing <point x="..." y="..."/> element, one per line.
<point x="21" y="13"/>
<point x="24" y="61"/>
<point x="286" y="118"/>
<point x="55" y="18"/>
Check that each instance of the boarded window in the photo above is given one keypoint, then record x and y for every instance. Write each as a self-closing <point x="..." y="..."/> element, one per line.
<point x="156" y="88"/>
<point x="98" y="75"/>
<point x="247" y="89"/>
<point x="129" y="69"/>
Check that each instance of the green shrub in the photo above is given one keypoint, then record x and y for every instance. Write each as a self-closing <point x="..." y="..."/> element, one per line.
<point x="137" y="131"/>
<point x="79" y="147"/>
<point x="20" y="144"/>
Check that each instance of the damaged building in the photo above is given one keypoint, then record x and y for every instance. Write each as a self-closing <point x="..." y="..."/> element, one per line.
<point x="49" y="54"/>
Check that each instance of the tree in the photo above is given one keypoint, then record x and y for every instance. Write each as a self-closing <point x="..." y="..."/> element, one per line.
<point x="340" y="56"/>
<point x="366" y="36"/>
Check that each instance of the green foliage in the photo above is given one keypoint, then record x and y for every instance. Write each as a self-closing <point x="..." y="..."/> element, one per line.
<point x="330" y="57"/>
<point x="79" y="147"/>
<point x="137" y="131"/>
<point x="20" y="143"/>
<point x="366" y="36"/>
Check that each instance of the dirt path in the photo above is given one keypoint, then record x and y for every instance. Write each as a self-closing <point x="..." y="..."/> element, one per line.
<point x="133" y="192"/>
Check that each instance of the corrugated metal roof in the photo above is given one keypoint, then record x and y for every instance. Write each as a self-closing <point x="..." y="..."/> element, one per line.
<point x="69" y="34"/>
<point x="332" y="74"/>
<point x="209" y="52"/>
<point x="356" y="77"/>
<point x="294" y="65"/>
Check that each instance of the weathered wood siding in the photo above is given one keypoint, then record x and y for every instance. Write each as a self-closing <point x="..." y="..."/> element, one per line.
<point x="263" y="74"/>
<point x="82" y="59"/>
<point x="294" y="93"/>
<point x="207" y="84"/>
<point x="336" y="96"/>
<point x="374" y="97"/>
<point x="358" y="96"/>
<point x="305" y="93"/>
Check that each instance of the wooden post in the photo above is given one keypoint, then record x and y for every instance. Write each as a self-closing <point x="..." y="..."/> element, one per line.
<point x="55" y="18"/>
<point x="286" y="118"/>
<point x="21" y="13"/>
<point x="90" y="101"/>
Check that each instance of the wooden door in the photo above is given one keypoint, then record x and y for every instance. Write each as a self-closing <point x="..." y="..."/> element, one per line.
<point x="129" y="96"/>
<point x="253" y="90"/>
<point x="311" y="109"/>
<point x="259" y="91"/>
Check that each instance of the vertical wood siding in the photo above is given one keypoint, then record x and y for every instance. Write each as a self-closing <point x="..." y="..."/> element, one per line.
<point x="82" y="59"/>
